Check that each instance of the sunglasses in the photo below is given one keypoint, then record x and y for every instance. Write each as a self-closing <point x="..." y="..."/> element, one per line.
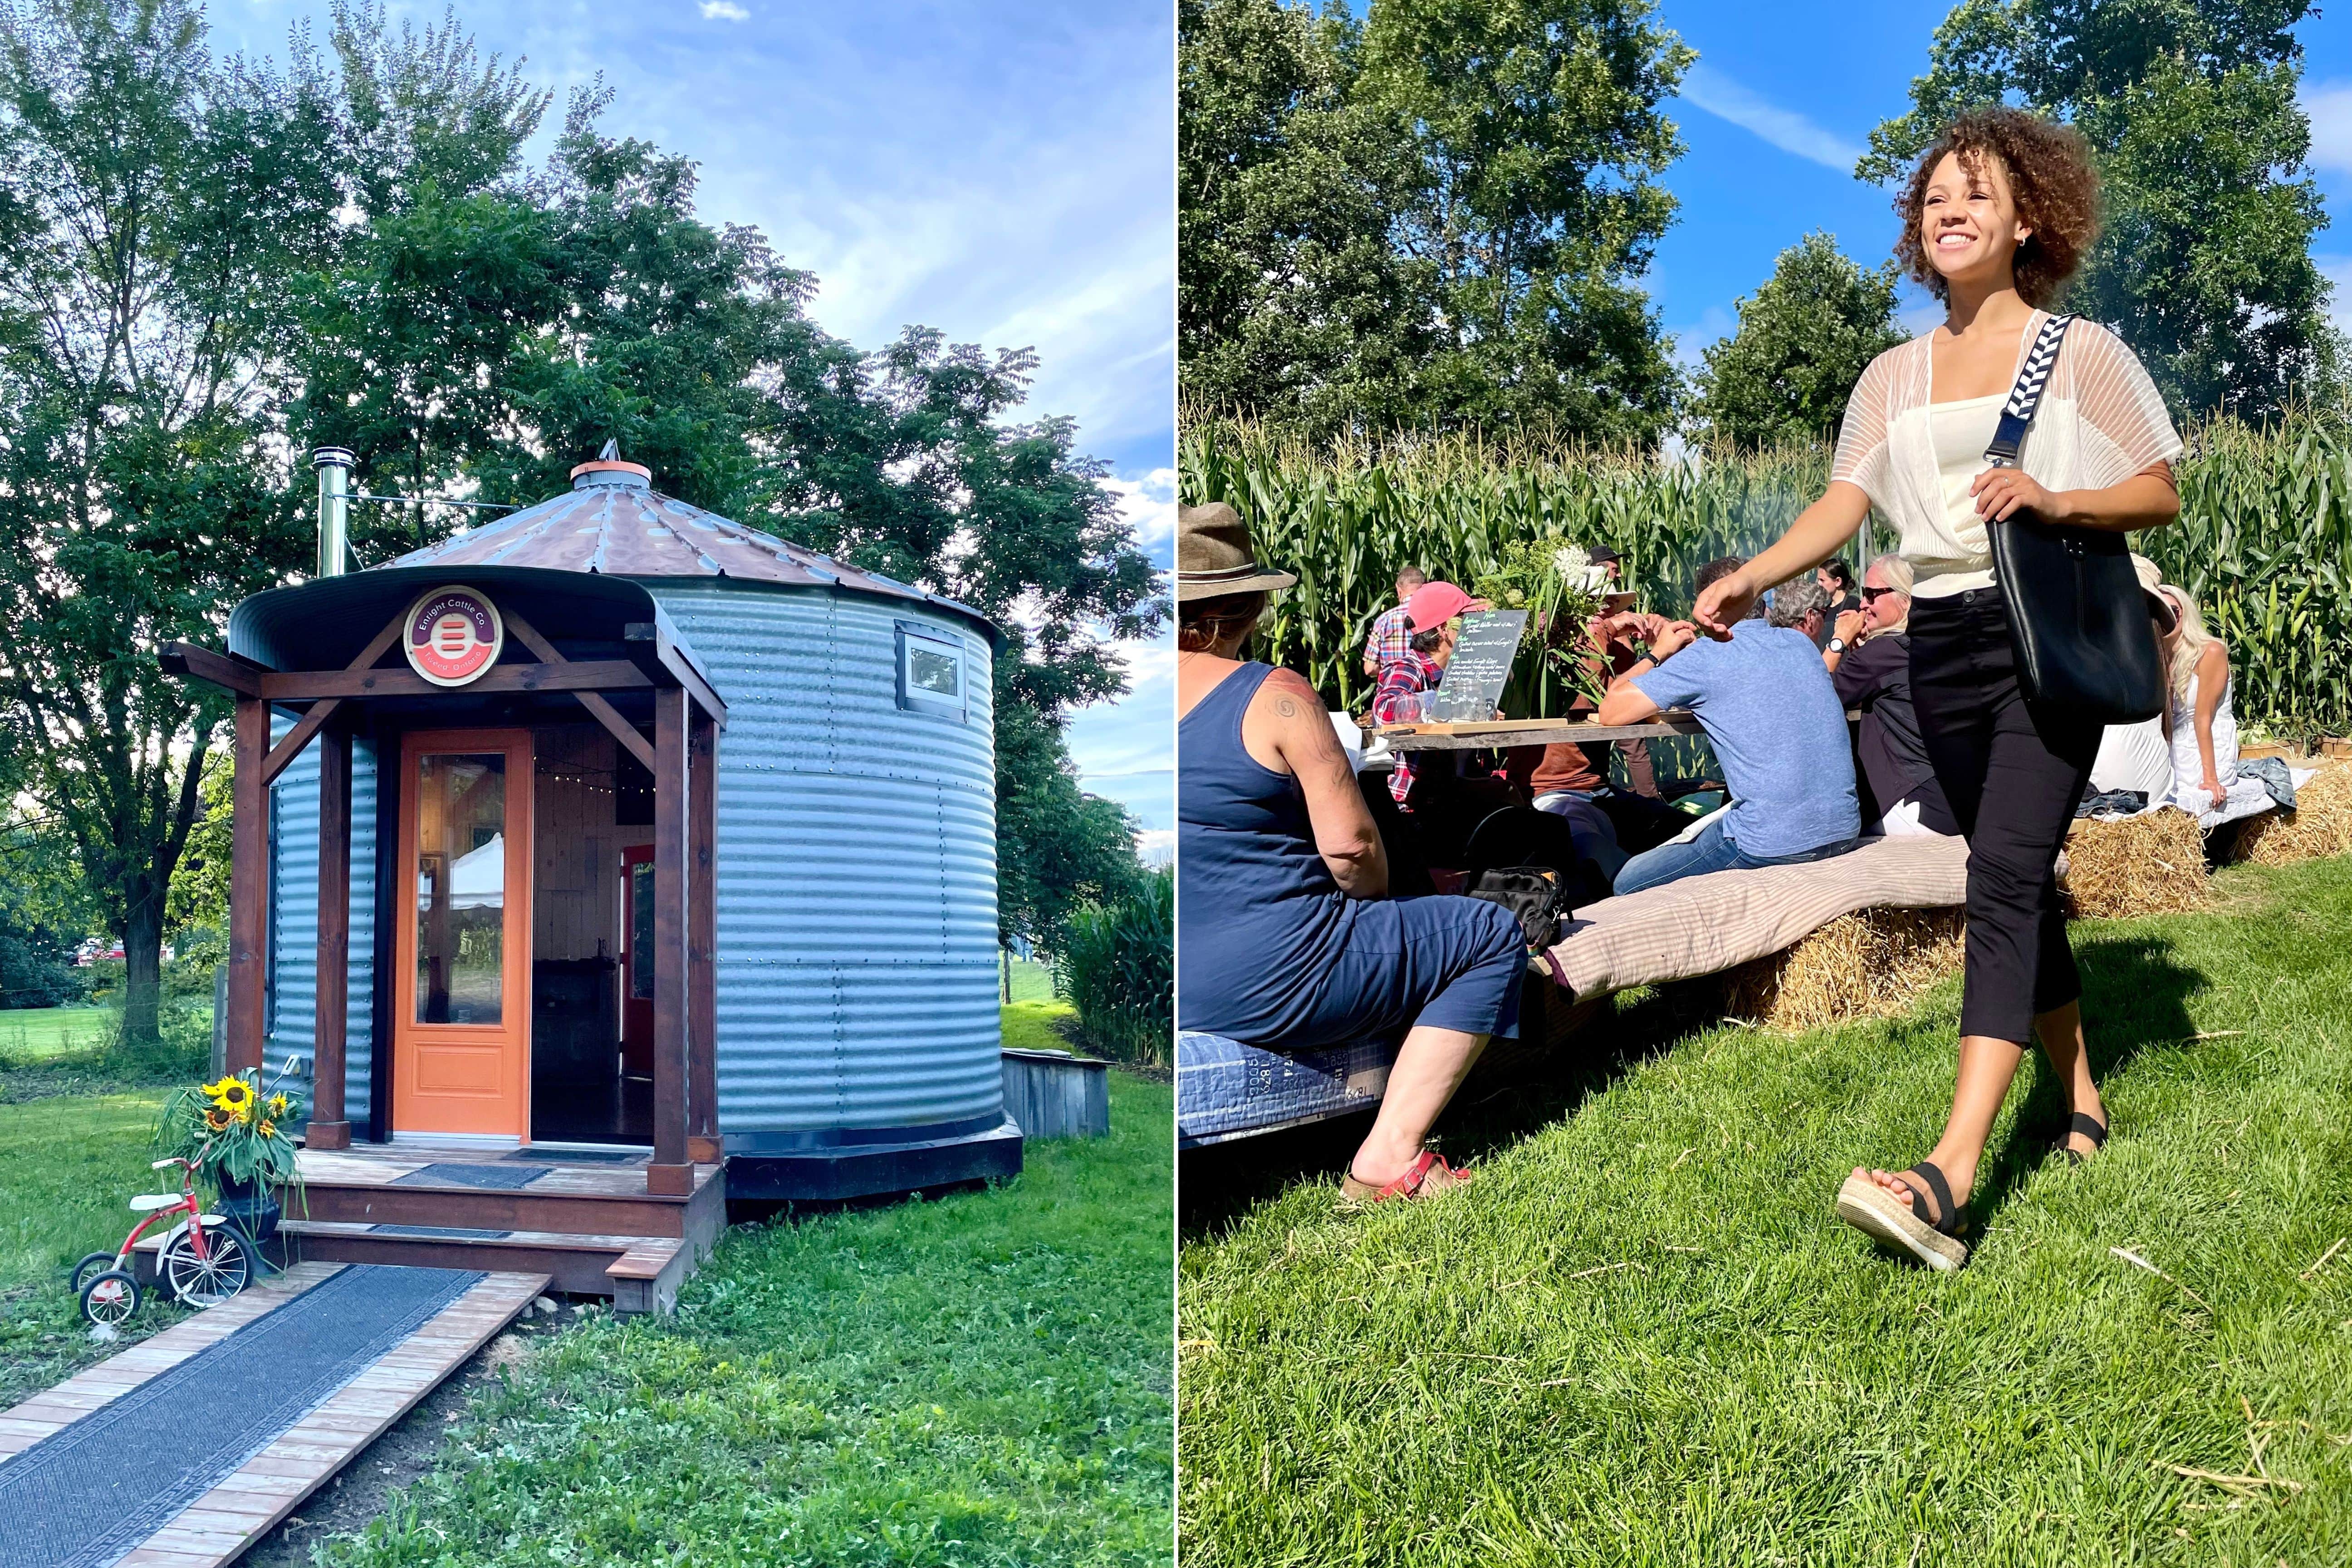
<point x="1870" y="595"/>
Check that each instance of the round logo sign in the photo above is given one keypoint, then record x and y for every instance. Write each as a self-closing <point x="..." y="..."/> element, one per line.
<point x="454" y="635"/>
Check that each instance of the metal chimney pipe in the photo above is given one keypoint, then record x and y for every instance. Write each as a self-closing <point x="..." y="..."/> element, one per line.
<point x="334" y="466"/>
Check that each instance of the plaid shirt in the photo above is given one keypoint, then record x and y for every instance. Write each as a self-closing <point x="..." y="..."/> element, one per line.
<point x="1390" y="640"/>
<point x="1408" y="673"/>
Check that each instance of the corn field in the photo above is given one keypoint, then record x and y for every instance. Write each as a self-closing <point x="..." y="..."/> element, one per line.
<point x="2263" y="540"/>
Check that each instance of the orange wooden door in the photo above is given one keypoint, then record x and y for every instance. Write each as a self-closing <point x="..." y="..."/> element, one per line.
<point x="461" y="991"/>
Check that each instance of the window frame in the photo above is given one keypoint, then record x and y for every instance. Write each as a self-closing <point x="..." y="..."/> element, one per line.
<point x="913" y="636"/>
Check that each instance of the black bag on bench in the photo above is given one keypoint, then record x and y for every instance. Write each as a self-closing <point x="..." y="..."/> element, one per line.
<point x="1534" y="894"/>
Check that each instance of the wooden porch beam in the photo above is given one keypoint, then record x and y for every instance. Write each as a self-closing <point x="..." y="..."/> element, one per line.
<point x="328" y="1127"/>
<point x="587" y="674"/>
<point x="606" y="713"/>
<point x="248" y="897"/>
<point x="226" y="671"/>
<point x="286" y="750"/>
<point x="651" y="646"/>
<point x="703" y="1146"/>
<point x="670" y="1173"/>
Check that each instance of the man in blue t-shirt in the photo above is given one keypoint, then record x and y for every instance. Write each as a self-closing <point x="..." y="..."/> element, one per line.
<point x="1766" y="705"/>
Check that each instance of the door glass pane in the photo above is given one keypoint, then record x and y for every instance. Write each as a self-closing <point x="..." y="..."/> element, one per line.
<point x="461" y="879"/>
<point x="641" y="930"/>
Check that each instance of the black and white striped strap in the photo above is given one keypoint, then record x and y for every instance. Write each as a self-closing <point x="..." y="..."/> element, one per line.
<point x="2026" y="395"/>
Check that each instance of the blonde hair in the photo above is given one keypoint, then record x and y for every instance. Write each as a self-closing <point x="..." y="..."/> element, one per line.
<point x="1900" y="576"/>
<point x="2194" y="639"/>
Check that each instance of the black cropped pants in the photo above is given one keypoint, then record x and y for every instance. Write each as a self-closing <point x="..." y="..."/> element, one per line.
<point x="2012" y="772"/>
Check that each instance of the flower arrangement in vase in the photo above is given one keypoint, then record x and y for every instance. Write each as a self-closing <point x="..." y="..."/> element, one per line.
<point x="239" y="1131"/>
<point x="1557" y="582"/>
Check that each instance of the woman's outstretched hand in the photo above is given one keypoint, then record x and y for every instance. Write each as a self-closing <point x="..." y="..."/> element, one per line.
<point x="1723" y="602"/>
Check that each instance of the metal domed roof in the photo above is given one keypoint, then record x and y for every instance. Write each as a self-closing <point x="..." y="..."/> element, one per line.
<point x="614" y="522"/>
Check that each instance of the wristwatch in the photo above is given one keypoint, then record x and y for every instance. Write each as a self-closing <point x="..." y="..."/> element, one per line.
<point x="1837" y="645"/>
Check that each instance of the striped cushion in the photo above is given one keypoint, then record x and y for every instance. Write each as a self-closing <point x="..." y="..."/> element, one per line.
<point x="1704" y="925"/>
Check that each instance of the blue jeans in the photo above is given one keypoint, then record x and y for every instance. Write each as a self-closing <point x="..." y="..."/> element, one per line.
<point x="1710" y="851"/>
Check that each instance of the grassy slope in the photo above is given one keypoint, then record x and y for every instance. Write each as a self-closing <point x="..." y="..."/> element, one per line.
<point x="1029" y="1026"/>
<point x="983" y="1379"/>
<point x="1643" y="1336"/>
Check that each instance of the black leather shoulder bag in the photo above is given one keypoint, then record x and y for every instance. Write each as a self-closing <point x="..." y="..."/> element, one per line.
<point x="2078" y="620"/>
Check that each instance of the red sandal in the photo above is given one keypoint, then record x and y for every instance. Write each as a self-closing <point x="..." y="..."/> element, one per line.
<point x="1429" y="1173"/>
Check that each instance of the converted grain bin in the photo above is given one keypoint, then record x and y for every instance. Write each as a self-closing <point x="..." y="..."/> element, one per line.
<point x="643" y="837"/>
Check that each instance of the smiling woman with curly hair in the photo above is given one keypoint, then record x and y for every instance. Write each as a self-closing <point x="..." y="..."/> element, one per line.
<point x="1996" y="218"/>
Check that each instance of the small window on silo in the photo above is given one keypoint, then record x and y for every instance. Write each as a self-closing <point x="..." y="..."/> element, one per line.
<point x="931" y="671"/>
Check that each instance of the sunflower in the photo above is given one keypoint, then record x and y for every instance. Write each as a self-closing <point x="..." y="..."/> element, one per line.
<point x="268" y="1127"/>
<point x="277" y="1104"/>
<point x="217" y="1119"/>
<point x="233" y="1095"/>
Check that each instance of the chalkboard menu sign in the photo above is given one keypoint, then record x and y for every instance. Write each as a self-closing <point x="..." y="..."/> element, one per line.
<point x="1480" y="667"/>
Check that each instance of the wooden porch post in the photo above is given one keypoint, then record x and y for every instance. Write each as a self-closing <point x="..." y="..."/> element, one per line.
<point x="670" y="1172"/>
<point x="328" y="1128"/>
<point x="248" y="898"/>
<point x="702" y="942"/>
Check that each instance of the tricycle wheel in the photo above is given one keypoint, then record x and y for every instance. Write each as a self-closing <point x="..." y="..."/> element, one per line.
<point x="91" y="1262"/>
<point x="205" y="1281"/>
<point x="111" y="1298"/>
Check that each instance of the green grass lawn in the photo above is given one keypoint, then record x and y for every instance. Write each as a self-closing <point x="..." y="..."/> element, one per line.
<point x="981" y="1378"/>
<point x="1029" y="1026"/>
<point x="34" y="1033"/>
<point x="1031" y="981"/>
<point x="69" y="1164"/>
<point x="1642" y="1336"/>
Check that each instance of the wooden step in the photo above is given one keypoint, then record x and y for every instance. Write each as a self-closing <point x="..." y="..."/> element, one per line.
<point x="640" y="1273"/>
<point x="374" y="1189"/>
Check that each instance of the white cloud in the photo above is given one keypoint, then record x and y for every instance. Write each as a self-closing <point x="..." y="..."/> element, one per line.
<point x="1149" y="503"/>
<point x="723" y="11"/>
<point x="1784" y="128"/>
<point x="2329" y="104"/>
<point x="1691" y="342"/>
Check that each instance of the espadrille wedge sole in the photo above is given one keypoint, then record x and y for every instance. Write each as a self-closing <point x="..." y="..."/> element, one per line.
<point x="1887" y="1219"/>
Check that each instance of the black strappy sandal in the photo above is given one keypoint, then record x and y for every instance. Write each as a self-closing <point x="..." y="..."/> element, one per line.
<point x="1880" y="1214"/>
<point x="2089" y="1127"/>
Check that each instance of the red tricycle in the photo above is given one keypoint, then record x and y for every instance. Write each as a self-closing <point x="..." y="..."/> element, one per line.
<point x="203" y="1262"/>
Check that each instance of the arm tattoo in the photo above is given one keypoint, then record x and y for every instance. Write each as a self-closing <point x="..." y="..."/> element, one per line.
<point x="1286" y="707"/>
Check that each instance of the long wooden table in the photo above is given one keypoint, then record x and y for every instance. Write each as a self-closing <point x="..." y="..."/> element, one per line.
<point x="1469" y="737"/>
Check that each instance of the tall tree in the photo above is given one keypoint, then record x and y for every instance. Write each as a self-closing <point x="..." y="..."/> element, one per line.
<point x="2205" y="264"/>
<point x="1437" y="216"/>
<point x="151" y="201"/>
<point x="1292" y="303"/>
<point x="1804" y="339"/>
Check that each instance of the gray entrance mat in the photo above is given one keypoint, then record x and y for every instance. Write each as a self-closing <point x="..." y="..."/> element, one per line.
<point x="503" y="1178"/>
<point x="88" y="1493"/>
<point x="438" y="1232"/>
<point x="579" y="1156"/>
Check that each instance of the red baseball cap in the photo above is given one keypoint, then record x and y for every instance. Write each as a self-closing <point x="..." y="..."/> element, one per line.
<point x="1434" y="604"/>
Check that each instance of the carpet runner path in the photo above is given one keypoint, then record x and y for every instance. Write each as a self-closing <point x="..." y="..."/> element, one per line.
<point x="172" y="1455"/>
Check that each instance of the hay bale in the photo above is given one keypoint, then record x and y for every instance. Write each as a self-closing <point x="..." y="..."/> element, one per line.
<point x="2152" y="864"/>
<point x="2321" y="823"/>
<point x="1867" y="965"/>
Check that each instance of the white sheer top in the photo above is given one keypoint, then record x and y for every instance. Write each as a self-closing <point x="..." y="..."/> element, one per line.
<point x="2101" y="421"/>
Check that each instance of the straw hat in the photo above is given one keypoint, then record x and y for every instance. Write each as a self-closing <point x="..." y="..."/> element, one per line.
<point x="1213" y="556"/>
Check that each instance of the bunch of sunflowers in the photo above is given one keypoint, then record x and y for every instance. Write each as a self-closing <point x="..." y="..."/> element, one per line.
<point x="242" y="1132"/>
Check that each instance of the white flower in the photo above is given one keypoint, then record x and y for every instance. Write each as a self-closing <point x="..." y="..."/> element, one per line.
<point x="1572" y="563"/>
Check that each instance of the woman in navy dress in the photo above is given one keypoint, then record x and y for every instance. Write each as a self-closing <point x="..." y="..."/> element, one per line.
<point x="1286" y="937"/>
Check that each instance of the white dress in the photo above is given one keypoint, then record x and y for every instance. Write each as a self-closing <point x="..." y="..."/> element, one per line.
<point x="2240" y="796"/>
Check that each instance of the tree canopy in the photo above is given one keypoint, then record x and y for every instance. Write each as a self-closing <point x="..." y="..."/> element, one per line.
<point x="2205" y="264"/>
<point x="1435" y="218"/>
<point x="1804" y="339"/>
<point x="208" y="267"/>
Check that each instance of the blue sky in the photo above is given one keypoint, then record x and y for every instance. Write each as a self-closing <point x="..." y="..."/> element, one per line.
<point x="1003" y="171"/>
<point x="1784" y="98"/>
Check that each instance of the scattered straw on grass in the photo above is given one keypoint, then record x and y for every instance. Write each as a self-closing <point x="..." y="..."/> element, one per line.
<point x="2321" y="823"/>
<point x="1868" y="965"/>
<point x="2149" y="865"/>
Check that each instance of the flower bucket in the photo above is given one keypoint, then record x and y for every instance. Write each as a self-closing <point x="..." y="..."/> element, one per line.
<point x="250" y="1206"/>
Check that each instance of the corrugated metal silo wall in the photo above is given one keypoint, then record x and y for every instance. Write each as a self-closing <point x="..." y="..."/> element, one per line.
<point x="856" y="865"/>
<point x="294" y="924"/>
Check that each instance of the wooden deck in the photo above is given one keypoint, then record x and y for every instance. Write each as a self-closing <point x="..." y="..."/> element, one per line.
<point x="588" y="1224"/>
<point x="217" y="1527"/>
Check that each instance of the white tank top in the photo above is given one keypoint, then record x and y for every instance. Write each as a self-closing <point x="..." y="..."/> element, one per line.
<point x="1952" y="552"/>
<point x="2188" y="761"/>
